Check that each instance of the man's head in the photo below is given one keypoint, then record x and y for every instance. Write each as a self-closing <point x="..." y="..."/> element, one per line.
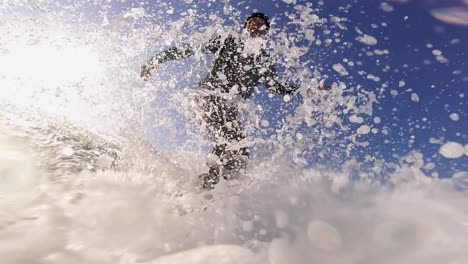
<point x="257" y="24"/>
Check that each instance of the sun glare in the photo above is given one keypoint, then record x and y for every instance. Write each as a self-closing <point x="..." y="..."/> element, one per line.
<point x="50" y="64"/>
<point x="58" y="65"/>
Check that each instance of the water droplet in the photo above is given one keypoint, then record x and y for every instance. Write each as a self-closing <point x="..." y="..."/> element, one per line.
<point x="452" y="150"/>
<point x="363" y="130"/>
<point x="367" y="39"/>
<point x="386" y="7"/>
<point x="356" y="119"/>
<point x="339" y="68"/>
<point x="437" y="52"/>
<point x="454" y="117"/>
<point x="299" y="136"/>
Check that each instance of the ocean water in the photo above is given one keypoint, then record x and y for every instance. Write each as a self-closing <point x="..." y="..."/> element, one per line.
<point x="97" y="166"/>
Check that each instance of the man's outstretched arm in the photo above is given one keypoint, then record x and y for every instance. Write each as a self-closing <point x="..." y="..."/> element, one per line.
<point x="175" y="53"/>
<point x="274" y="85"/>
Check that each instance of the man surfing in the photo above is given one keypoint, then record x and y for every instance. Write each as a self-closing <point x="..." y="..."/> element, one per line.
<point x="241" y="63"/>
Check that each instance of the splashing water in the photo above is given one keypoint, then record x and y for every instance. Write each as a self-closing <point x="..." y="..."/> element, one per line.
<point x="97" y="166"/>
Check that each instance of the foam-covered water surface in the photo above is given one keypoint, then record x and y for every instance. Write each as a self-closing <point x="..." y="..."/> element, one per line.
<point x="98" y="166"/>
<point x="139" y="213"/>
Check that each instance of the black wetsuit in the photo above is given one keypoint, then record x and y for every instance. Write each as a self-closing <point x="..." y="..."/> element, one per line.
<point x="235" y="73"/>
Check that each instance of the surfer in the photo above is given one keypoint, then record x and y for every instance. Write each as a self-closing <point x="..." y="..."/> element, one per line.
<point x="241" y="63"/>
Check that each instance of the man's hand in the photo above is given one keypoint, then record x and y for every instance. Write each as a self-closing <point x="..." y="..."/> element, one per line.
<point x="146" y="70"/>
<point x="325" y="87"/>
<point x="310" y="92"/>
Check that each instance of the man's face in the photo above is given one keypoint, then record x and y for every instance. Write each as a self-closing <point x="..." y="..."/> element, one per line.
<point x="257" y="27"/>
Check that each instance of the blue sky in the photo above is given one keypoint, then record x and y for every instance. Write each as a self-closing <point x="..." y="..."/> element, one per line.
<point x="412" y="37"/>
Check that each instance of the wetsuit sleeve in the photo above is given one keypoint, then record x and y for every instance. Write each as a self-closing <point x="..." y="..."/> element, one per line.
<point x="213" y="45"/>
<point x="185" y="51"/>
<point x="173" y="53"/>
<point x="275" y="86"/>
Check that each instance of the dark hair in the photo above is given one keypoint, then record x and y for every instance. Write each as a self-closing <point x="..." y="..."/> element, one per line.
<point x="260" y="15"/>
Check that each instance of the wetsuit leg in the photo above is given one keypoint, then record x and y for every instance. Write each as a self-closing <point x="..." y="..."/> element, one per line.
<point x="221" y="117"/>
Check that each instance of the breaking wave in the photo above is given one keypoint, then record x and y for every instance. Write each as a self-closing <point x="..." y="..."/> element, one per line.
<point x="97" y="166"/>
